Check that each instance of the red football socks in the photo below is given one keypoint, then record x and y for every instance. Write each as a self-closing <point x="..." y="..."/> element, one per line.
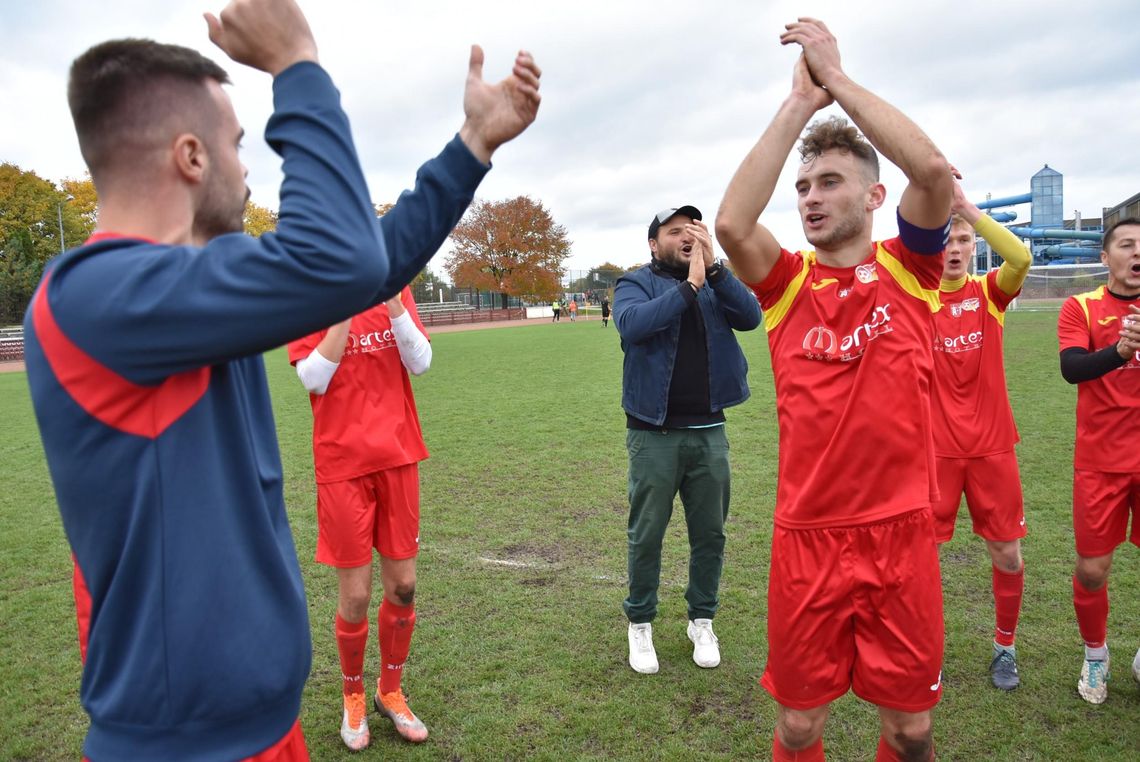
<point x="813" y="753"/>
<point x="1092" y="613"/>
<point x="396" y="624"/>
<point x="1007" y="603"/>
<point x="351" y="639"/>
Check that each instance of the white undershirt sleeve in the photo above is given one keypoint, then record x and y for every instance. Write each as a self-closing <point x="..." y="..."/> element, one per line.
<point x="415" y="349"/>
<point x="315" y="372"/>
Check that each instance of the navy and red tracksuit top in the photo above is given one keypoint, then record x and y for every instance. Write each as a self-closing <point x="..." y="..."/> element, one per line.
<point x="144" y="362"/>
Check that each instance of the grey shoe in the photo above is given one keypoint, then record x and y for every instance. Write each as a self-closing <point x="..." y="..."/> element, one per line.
<point x="1003" y="670"/>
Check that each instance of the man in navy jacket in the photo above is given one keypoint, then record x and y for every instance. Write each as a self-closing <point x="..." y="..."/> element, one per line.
<point x="144" y="360"/>
<point x="682" y="368"/>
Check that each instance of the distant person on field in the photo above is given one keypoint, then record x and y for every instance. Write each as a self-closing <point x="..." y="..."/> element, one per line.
<point x="573" y="310"/>
<point x="974" y="431"/>
<point x="367" y="445"/>
<point x="1099" y="334"/>
<point x="144" y="358"/>
<point x="605" y="312"/>
<point x="850" y="329"/>
<point x="556" y="307"/>
<point x="682" y="368"/>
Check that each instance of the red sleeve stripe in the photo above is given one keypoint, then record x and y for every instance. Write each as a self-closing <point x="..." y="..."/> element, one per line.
<point x="145" y="411"/>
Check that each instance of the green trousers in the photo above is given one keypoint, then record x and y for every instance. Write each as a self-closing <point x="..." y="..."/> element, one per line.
<point x="693" y="462"/>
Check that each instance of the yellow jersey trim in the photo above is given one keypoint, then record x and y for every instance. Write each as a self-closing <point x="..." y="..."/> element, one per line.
<point x="906" y="279"/>
<point x="778" y="311"/>
<point x="1083" y="300"/>
<point x="991" y="307"/>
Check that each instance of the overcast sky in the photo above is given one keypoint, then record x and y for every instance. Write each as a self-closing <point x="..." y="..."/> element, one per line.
<point x="646" y="105"/>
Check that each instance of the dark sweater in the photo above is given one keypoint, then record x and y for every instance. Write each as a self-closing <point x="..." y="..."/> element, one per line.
<point x="144" y="362"/>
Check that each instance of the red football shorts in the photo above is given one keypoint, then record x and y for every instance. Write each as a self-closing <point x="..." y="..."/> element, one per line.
<point x="291" y="748"/>
<point x="1101" y="504"/>
<point x="856" y="607"/>
<point x="992" y="484"/>
<point x="380" y="510"/>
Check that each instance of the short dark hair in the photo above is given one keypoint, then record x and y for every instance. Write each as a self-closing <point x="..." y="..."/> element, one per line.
<point x="120" y="89"/>
<point x="836" y="133"/>
<point x="1111" y="232"/>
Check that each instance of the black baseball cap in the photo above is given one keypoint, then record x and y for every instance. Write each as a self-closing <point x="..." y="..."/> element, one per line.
<point x="665" y="215"/>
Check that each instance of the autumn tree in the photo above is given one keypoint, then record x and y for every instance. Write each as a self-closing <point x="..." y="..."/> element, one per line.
<point x="37" y="220"/>
<point x="513" y="247"/>
<point x="83" y="199"/>
<point x="258" y="219"/>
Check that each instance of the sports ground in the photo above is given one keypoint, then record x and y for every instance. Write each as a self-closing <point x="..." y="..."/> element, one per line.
<point x="520" y="648"/>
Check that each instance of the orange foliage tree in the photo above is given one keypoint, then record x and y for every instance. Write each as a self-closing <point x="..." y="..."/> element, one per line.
<point x="514" y="247"/>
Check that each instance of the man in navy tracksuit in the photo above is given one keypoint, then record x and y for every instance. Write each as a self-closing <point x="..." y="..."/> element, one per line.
<point x="143" y="355"/>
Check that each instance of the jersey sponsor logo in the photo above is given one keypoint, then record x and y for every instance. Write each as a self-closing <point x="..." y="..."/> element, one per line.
<point x="823" y="283"/>
<point x="962" y="343"/>
<point x="843" y="293"/>
<point x="822" y="343"/>
<point x="967" y="305"/>
<point x="866" y="273"/>
<point x="372" y="341"/>
<point x="820" y="340"/>
<point x="1107" y="320"/>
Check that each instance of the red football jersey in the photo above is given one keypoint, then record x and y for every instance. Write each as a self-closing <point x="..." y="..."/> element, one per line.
<point x="852" y="360"/>
<point x="972" y="417"/>
<point x="1108" y="408"/>
<point x="366" y="421"/>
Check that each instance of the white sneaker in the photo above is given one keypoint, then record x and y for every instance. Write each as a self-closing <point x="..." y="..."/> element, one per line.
<point x="706" y="652"/>
<point x="642" y="656"/>
<point x="1093" y="685"/>
<point x="1136" y="666"/>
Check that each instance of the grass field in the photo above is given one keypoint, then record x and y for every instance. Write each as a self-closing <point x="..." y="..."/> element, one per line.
<point x="520" y="648"/>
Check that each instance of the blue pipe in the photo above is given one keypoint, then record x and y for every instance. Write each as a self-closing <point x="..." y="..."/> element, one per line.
<point x="992" y="203"/>
<point x="1064" y="235"/>
<point x="1069" y="251"/>
<point x="1004" y="216"/>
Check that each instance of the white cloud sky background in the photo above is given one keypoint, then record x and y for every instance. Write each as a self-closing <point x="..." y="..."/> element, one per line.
<point x="646" y="105"/>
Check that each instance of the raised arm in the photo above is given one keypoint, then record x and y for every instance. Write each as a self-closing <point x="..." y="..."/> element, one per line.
<point x="1015" y="257"/>
<point x="422" y="218"/>
<point x="928" y="193"/>
<point x="750" y="246"/>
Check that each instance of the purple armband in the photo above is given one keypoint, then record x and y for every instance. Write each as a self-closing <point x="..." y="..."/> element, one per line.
<point x="923" y="240"/>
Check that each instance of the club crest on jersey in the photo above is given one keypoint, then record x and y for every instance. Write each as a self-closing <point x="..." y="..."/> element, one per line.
<point x="967" y="305"/>
<point x="843" y="293"/>
<point x="866" y="273"/>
